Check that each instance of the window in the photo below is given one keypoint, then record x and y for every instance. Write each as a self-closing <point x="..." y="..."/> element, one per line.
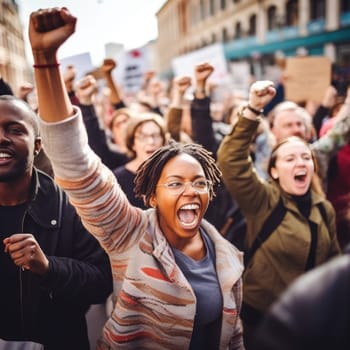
<point x="222" y="4"/>
<point x="292" y="13"/>
<point x="252" y="25"/>
<point x="318" y="9"/>
<point x="345" y="6"/>
<point x="271" y="18"/>
<point x="182" y="17"/>
<point x="212" y="7"/>
<point x="225" y="37"/>
<point x="194" y="13"/>
<point x="238" y="30"/>
<point x="202" y="9"/>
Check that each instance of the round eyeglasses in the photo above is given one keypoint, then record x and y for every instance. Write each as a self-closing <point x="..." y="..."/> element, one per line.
<point x="178" y="187"/>
<point x="141" y="137"/>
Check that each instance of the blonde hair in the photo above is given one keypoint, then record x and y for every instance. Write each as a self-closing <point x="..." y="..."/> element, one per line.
<point x="134" y="122"/>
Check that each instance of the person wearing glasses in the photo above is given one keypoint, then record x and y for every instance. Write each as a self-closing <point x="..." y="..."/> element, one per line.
<point x="177" y="281"/>
<point x="144" y="134"/>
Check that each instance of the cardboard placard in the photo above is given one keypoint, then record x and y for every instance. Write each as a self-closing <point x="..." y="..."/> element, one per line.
<point x="307" y="78"/>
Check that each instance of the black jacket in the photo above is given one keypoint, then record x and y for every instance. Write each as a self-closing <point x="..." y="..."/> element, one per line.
<point x="98" y="140"/>
<point x="52" y="308"/>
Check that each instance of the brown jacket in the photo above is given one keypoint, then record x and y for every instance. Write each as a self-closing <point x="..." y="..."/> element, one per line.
<point x="283" y="256"/>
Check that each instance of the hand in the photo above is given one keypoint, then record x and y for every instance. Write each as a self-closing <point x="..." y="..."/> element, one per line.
<point x="261" y="93"/>
<point x="202" y="72"/>
<point x="108" y="65"/>
<point x="85" y="89"/>
<point x="26" y="253"/>
<point x="148" y="75"/>
<point x="329" y="97"/>
<point x="181" y="84"/>
<point x="49" y="29"/>
<point x="25" y="89"/>
<point x="347" y="98"/>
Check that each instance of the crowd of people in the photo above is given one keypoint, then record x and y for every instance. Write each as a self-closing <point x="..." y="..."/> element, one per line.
<point x="198" y="231"/>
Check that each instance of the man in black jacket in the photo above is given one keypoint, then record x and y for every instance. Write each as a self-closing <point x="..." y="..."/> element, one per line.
<point x="52" y="269"/>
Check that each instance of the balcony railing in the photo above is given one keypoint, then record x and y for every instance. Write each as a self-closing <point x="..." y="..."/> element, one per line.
<point x="345" y="19"/>
<point x="316" y="26"/>
<point x="241" y="43"/>
<point x="281" y="34"/>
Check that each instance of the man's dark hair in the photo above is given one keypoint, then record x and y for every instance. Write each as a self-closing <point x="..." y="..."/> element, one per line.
<point x="5" y="88"/>
<point x="23" y="107"/>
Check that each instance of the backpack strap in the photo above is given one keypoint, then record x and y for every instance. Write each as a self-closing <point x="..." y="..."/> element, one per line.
<point x="310" y="263"/>
<point x="323" y="213"/>
<point x="270" y="224"/>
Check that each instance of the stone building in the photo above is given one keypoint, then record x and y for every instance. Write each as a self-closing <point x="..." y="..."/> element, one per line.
<point x="13" y="63"/>
<point x="254" y="30"/>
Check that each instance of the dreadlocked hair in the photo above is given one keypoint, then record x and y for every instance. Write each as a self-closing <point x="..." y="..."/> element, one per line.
<point x="150" y="170"/>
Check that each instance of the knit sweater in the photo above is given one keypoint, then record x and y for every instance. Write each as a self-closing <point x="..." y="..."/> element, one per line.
<point x="154" y="303"/>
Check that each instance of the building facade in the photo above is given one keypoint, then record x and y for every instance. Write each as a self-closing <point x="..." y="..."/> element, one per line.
<point x="13" y="64"/>
<point x="254" y="30"/>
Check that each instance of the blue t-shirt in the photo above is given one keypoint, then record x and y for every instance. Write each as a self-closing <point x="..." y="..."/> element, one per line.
<point x="201" y="274"/>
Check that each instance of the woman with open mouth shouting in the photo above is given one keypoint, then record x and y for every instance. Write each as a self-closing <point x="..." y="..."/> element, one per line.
<point x="290" y="224"/>
<point x="177" y="281"/>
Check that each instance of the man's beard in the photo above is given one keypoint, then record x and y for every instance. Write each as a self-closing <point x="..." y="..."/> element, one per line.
<point x="15" y="174"/>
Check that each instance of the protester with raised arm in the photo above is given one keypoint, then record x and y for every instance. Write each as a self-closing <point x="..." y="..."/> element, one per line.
<point x="166" y="260"/>
<point x="300" y="233"/>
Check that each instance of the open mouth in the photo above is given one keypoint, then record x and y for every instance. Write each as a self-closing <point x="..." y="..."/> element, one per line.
<point x="300" y="178"/>
<point x="189" y="215"/>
